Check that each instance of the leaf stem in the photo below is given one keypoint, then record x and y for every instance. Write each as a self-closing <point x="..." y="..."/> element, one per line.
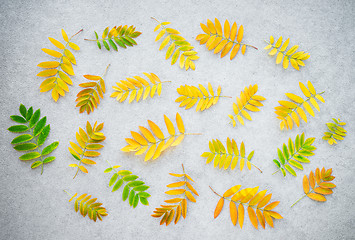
<point x="106" y="70"/>
<point x="67" y="193"/>
<point x="256" y="167"/>
<point x="230" y="40"/>
<point x="155" y="19"/>
<point x="299" y="199"/>
<point x="276" y="172"/>
<point x="216" y="192"/>
<point x="193" y="134"/>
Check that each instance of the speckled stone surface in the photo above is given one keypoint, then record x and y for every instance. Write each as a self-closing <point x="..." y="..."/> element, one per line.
<point x="35" y="206"/>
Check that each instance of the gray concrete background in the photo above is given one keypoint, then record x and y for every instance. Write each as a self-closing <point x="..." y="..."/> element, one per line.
<point x="35" y="206"/>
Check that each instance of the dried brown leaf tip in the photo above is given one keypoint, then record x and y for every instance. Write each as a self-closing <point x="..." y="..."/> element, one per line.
<point x="318" y="184"/>
<point x="257" y="204"/>
<point x="177" y="206"/>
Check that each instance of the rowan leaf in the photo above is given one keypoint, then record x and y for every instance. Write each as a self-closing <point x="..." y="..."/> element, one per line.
<point x="147" y="142"/>
<point x="29" y="140"/>
<point x="88" y="140"/>
<point x="57" y="80"/>
<point x="247" y="101"/>
<point x="177" y="205"/>
<point x="250" y="199"/>
<point x="290" y="55"/>
<point x="137" y="88"/>
<point x="178" y="46"/>
<point x="289" y="112"/>
<point x="213" y="36"/>
<point x="89" y="98"/>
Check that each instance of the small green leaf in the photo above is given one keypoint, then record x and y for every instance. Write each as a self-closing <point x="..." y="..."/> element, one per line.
<point x="124" y="39"/>
<point x="290" y="170"/>
<point x="135" y="183"/>
<point x="124" y="172"/>
<point x="107" y="170"/>
<point x="285" y="151"/>
<point x="295" y="164"/>
<point x="144" y="194"/>
<point x="98" y="44"/>
<point x="297" y="142"/>
<point x="76" y="157"/>
<point x="25" y="146"/>
<point x="18" y="128"/>
<point x="106" y="45"/>
<point x="97" y="37"/>
<point x="125" y="193"/>
<point x="117" y="185"/>
<point x="130" y="178"/>
<point x="23" y="110"/>
<point x="47" y="150"/>
<point x="113" y="179"/>
<point x="35" y="117"/>
<point x="30" y="156"/>
<point x="135" y="201"/>
<point x="301" y="158"/>
<point x="144" y="201"/>
<point x="21" y="138"/>
<point x="277" y="163"/>
<point x="250" y="155"/>
<point x="306" y="153"/>
<point x="309" y="141"/>
<point x="43" y="135"/>
<point x="112" y="44"/>
<point x="39" y="126"/>
<point x="291" y="147"/>
<point x="18" y="119"/>
<point x="48" y="159"/>
<point x="36" y="164"/>
<point x="281" y="157"/>
<point x="302" y="139"/>
<point x="119" y="42"/>
<point x="283" y="172"/>
<point x="141" y="188"/>
<point x="29" y="113"/>
<point x="132" y="194"/>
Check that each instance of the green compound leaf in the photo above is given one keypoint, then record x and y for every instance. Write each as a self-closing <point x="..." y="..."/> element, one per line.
<point x="121" y="36"/>
<point x="294" y="155"/>
<point x="134" y="190"/>
<point x="31" y="140"/>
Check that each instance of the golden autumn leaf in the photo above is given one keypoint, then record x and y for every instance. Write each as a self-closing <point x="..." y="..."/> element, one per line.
<point x="223" y="40"/>
<point x="253" y="201"/>
<point x="178" y="205"/>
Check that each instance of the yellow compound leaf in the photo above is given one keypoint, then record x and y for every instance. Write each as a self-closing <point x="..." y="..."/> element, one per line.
<point x="247" y="101"/>
<point x="288" y="56"/>
<point x="223" y="41"/>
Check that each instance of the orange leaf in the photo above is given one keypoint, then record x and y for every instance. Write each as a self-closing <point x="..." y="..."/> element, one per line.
<point x="272" y="205"/>
<point x="312" y="180"/>
<point x="240" y="34"/>
<point x="252" y="217"/>
<point x="83" y="169"/>
<point x="219" y="207"/>
<point x="190" y="196"/>
<point x="233" y="212"/>
<point x="305" y="184"/>
<point x="264" y="201"/>
<point x="268" y="219"/>
<point x="241" y="215"/>
<point x="176" y="184"/>
<point x="327" y="185"/>
<point x="324" y="191"/>
<point x="175" y="191"/>
<point x="261" y="218"/>
<point x="232" y="191"/>
<point x="317" y="197"/>
<point x="184" y="207"/>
